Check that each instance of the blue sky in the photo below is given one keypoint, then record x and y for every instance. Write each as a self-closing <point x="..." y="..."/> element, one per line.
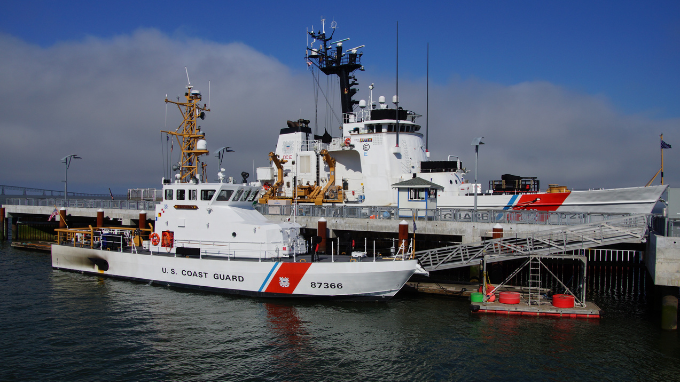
<point x="627" y="50"/>
<point x="615" y="62"/>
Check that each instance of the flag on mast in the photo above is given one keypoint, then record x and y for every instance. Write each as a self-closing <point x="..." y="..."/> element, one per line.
<point x="664" y="145"/>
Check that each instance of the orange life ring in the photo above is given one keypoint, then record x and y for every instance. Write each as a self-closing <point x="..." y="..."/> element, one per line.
<point x="155" y="239"/>
<point x="347" y="141"/>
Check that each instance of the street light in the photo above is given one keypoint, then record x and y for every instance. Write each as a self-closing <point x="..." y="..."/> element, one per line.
<point x="476" y="142"/>
<point x="67" y="161"/>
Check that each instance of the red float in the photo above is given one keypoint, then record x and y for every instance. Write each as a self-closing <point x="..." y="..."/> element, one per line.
<point x="563" y="301"/>
<point x="509" y="298"/>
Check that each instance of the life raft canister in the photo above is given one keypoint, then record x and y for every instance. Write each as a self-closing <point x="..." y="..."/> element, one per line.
<point x="168" y="239"/>
<point x="155" y="238"/>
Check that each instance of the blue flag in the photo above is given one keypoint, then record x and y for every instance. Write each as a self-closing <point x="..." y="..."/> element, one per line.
<point x="665" y="145"/>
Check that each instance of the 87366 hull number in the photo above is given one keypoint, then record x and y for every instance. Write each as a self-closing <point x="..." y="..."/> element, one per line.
<point x="327" y="285"/>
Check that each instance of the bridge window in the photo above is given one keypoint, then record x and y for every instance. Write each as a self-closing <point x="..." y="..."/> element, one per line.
<point x="180" y="194"/>
<point x="253" y="195"/>
<point x="245" y="196"/>
<point x="192" y="194"/>
<point x="207" y="194"/>
<point x="168" y="194"/>
<point x="224" y="195"/>
<point x="238" y="194"/>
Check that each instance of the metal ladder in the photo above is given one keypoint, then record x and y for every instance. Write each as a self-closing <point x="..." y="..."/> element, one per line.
<point x="534" y="281"/>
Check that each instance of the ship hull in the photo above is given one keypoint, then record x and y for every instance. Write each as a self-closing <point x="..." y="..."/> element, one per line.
<point x="366" y="280"/>
<point x="632" y="200"/>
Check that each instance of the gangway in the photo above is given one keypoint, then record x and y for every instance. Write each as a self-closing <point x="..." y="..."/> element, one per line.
<point x="554" y="243"/>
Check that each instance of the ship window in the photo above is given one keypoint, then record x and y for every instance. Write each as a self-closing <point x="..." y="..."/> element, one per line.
<point x="168" y="194"/>
<point x="192" y="194"/>
<point x="238" y="194"/>
<point x="253" y="195"/>
<point x="207" y="194"/>
<point x="432" y="194"/>
<point x="245" y="195"/>
<point x="378" y="129"/>
<point x="224" y="195"/>
<point x="180" y="194"/>
<point x="416" y="193"/>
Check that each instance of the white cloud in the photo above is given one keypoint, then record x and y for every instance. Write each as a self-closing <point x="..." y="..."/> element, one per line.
<point x="103" y="99"/>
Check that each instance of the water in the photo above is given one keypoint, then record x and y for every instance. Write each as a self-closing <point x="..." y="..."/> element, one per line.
<point x="59" y="325"/>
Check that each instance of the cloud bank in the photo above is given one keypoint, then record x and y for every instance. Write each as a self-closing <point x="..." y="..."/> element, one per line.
<point x="103" y="100"/>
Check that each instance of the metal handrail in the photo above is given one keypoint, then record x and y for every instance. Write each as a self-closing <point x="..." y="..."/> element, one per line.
<point x="553" y="243"/>
<point x="548" y="218"/>
<point x="84" y="203"/>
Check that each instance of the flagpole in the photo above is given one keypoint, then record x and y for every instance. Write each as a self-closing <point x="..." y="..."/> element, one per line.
<point x="661" y="159"/>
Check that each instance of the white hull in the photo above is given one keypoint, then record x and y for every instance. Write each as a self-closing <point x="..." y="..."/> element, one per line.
<point x="633" y="200"/>
<point x="366" y="280"/>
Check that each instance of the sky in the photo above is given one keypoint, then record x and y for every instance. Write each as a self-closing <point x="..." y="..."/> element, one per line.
<point x="575" y="93"/>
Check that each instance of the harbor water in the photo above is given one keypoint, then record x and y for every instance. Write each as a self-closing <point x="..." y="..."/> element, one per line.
<point x="58" y="325"/>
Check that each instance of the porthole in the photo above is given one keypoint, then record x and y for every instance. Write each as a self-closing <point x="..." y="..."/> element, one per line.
<point x="233" y="234"/>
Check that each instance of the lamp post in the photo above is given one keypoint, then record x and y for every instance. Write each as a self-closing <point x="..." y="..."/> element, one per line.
<point x="67" y="161"/>
<point x="476" y="142"/>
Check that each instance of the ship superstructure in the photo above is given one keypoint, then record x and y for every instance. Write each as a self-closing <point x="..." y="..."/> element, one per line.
<point x="379" y="145"/>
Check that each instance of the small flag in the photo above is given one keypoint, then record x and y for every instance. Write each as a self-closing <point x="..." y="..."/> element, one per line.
<point x="665" y="145"/>
<point x="53" y="215"/>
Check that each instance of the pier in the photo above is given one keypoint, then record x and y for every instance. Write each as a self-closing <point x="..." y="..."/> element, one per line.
<point x="447" y="239"/>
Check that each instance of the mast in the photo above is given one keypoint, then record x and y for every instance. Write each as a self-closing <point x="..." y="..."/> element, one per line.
<point x="189" y="136"/>
<point x="334" y="61"/>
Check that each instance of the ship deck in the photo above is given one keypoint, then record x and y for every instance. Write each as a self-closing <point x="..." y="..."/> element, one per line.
<point x="302" y="258"/>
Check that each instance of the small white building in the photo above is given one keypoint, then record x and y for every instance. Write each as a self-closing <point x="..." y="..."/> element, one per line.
<point x="417" y="193"/>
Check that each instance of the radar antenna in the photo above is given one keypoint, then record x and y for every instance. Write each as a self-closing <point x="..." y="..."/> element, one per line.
<point x="332" y="60"/>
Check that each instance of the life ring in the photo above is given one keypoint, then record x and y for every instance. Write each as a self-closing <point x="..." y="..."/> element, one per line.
<point x="347" y="141"/>
<point x="155" y="239"/>
<point x="302" y="261"/>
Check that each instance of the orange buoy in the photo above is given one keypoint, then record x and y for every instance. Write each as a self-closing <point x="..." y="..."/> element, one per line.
<point x="563" y="301"/>
<point x="509" y="298"/>
<point x="155" y="239"/>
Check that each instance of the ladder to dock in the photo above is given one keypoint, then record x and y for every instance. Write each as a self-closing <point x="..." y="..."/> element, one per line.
<point x="558" y="242"/>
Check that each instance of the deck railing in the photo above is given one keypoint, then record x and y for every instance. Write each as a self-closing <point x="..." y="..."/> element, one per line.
<point x="439" y="214"/>
<point x="84" y="203"/>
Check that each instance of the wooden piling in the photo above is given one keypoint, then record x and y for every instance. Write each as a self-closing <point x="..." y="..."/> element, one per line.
<point x="321" y="232"/>
<point x="100" y="218"/>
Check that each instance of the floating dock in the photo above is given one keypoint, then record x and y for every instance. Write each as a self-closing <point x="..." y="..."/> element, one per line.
<point x="543" y="310"/>
<point x="39" y="246"/>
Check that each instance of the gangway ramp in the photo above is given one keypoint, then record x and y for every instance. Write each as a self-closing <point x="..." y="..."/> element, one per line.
<point x="558" y="242"/>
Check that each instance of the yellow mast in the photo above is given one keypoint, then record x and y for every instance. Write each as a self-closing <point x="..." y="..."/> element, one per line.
<point x="189" y="136"/>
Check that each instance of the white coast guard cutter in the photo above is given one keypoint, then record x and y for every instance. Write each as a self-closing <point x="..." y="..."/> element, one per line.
<point x="208" y="236"/>
<point x="380" y="146"/>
